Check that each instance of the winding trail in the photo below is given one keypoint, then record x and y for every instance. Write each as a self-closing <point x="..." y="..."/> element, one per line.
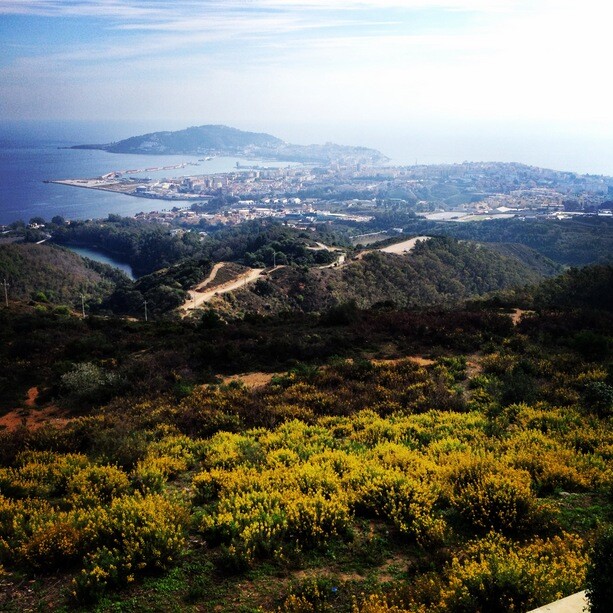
<point x="216" y="268"/>
<point x="197" y="297"/>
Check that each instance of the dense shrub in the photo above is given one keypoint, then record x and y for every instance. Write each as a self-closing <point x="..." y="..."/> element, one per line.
<point x="600" y="572"/>
<point x="135" y="535"/>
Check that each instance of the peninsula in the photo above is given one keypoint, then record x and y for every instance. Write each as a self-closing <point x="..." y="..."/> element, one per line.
<point x="209" y="140"/>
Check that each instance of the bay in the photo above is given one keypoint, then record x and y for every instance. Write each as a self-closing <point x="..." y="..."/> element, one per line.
<point x="25" y="165"/>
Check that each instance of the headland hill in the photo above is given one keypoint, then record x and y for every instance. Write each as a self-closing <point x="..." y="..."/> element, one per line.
<point x="219" y="140"/>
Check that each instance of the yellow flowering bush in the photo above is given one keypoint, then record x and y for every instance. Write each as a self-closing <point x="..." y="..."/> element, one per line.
<point x="489" y="494"/>
<point x="96" y="485"/>
<point x="137" y="534"/>
<point x="40" y="473"/>
<point x="497" y="574"/>
<point x="19" y="520"/>
<point x="502" y="501"/>
<point x="165" y="459"/>
<point x="408" y="503"/>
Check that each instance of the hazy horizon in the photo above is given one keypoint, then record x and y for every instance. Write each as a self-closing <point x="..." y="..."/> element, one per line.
<point x="436" y="80"/>
<point x="403" y="144"/>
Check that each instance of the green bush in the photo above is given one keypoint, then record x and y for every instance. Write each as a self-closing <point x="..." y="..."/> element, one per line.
<point x="600" y="573"/>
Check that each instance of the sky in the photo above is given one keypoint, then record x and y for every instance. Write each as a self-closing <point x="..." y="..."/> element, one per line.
<point x="356" y="71"/>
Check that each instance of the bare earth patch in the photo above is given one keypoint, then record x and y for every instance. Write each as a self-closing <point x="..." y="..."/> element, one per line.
<point x="405" y="246"/>
<point x="517" y="314"/>
<point x="251" y="380"/>
<point x="32" y="417"/>
<point x="420" y="361"/>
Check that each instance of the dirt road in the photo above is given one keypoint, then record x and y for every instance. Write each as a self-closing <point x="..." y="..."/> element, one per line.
<point x="405" y="246"/>
<point x="198" y="298"/>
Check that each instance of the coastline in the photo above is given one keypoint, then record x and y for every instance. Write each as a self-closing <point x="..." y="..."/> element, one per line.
<point x="121" y="188"/>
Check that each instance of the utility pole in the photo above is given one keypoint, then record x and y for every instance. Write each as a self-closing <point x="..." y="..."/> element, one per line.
<point x="6" y="293"/>
<point x="83" y="305"/>
<point x="145" y="303"/>
<point x="274" y="259"/>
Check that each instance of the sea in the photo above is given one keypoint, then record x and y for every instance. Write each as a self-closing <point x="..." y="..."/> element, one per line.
<point x="28" y="159"/>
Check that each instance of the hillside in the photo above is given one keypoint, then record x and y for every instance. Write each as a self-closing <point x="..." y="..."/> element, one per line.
<point x="223" y="140"/>
<point x="440" y="272"/>
<point x="395" y="461"/>
<point x="571" y="242"/>
<point x="48" y="273"/>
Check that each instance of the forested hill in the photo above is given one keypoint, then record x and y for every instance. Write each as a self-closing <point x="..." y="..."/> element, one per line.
<point x="441" y="272"/>
<point x="571" y="242"/>
<point x="46" y="273"/>
<point x="223" y="140"/>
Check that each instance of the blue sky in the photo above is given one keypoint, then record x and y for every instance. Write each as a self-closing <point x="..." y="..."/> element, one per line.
<point x="309" y="67"/>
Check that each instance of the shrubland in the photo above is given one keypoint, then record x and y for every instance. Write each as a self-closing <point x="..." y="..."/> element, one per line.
<point x="394" y="461"/>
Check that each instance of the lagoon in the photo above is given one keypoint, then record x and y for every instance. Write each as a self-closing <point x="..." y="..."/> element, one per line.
<point x="99" y="256"/>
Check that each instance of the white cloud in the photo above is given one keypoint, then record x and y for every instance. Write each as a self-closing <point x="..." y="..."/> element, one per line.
<point x="287" y="60"/>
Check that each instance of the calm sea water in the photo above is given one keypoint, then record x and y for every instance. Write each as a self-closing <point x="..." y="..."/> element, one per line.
<point x="26" y="162"/>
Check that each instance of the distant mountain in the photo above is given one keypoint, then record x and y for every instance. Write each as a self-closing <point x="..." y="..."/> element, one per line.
<point x="222" y="140"/>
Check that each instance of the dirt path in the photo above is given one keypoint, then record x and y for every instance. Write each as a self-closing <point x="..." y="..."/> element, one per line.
<point x="404" y="246"/>
<point x="193" y="294"/>
<point x="339" y="263"/>
<point x="210" y="278"/>
<point x="199" y="298"/>
<point x="322" y="247"/>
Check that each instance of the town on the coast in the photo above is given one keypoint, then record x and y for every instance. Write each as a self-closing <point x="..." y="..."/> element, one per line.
<point x="352" y="192"/>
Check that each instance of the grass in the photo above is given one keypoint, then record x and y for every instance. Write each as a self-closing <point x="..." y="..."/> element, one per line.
<point x="583" y="512"/>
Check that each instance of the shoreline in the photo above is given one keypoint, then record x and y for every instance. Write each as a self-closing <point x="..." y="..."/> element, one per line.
<point x="115" y="188"/>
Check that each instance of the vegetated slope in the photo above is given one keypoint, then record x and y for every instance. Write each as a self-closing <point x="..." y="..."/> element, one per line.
<point x="149" y="247"/>
<point x="223" y="140"/>
<point x="146" y="247"/>
<point x="589" y="288"/>
<point x="50" y="273"/>
<point x="196" y="139"/>
<point x="460" y="483"/>
<point x="572" y="242"/>
<point x="528" y="256"/>
<point x="441" y="271"/>
<point x="163" y="290"/>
